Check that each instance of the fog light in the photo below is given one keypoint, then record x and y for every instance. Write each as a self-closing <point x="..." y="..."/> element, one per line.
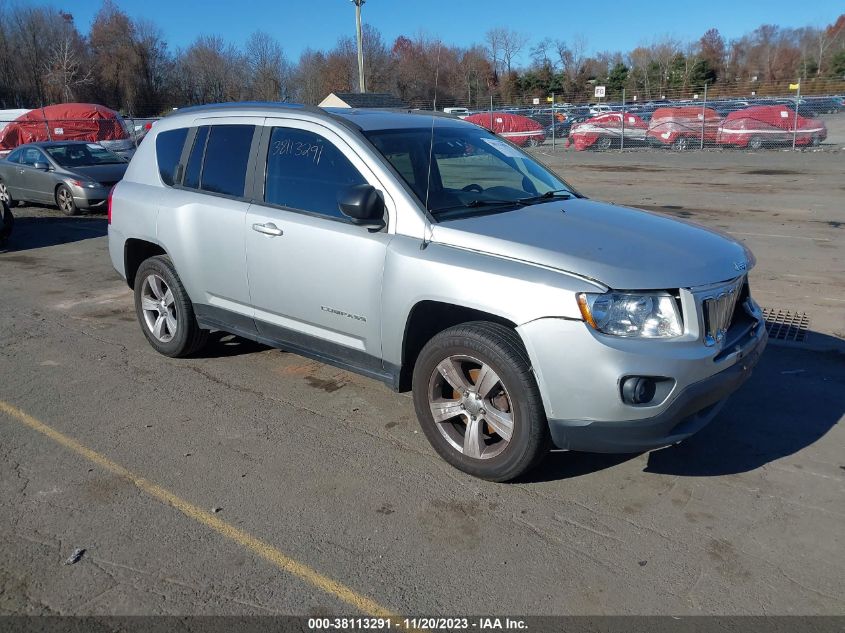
<point x="638" y="390"/>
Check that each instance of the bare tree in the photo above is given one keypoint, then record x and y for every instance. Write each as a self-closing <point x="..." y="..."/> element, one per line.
<point x="571" y="56"/>
<point x="63" y="71"/>
<point x="269" y="70"/>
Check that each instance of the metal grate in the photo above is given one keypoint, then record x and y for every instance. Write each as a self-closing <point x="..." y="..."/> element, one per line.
<point x="785" y="325"/>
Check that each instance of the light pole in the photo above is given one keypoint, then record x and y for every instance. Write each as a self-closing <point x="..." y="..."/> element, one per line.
<point x="361" y="87"/>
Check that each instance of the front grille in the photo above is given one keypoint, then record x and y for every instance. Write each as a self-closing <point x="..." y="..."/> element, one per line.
<point x="718" y="310"/>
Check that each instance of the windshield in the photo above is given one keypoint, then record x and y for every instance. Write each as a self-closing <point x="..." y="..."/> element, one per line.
<point x="472" y="169"/>
<point x="82" y="155"/>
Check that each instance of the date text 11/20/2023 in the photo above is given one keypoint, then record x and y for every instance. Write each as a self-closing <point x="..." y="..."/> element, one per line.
<point x="432" y="624"/>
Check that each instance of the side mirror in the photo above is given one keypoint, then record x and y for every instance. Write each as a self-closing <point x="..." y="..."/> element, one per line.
<point x="41" y="166"/>
<point x="363" y="205"/>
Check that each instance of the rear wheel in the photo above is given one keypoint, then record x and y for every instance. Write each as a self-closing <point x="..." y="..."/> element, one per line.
<point x="680" y="144"/>
<point x="478" y="403"/>
<point x="65" y="201"/>
<point x="5" y="196"/>
<point x="755" y="143"/>
<point x="534" y="142"/>
<point x="165" y="311"/>
<point x="815" y="141"/>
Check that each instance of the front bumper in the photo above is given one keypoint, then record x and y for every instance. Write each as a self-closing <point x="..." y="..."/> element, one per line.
<point x="89" y="197"/>
<point x="581" y="388"/>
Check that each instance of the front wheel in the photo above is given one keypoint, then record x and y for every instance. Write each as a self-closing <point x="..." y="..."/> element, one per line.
<point x="755" y="143"/>
<point x="65" y="201"/>
<point x="680" y="144"/>
<point x="165" y="311"/>
<point x="7" y="222"/>
<point x="604" y="143"/>
<point x="5" y="196"/>
<point x="478" y="403"/>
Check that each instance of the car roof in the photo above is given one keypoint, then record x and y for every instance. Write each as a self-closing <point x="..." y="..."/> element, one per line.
<point x="364" y="119"/>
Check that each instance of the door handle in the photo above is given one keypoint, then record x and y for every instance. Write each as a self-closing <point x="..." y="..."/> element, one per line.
<point x="268" y="229"/>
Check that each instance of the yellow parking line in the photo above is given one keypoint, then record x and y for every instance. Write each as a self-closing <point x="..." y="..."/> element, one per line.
<point x="265" y="550"/>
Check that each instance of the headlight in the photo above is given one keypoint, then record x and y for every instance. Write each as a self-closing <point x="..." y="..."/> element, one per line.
<point x="89" y="184"/>
<point x="634" y="315"/>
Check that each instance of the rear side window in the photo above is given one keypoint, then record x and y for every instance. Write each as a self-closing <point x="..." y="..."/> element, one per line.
<point x="306" y="171"/>
<point x="194" y="166"/>
<point x="168" y="150"/>
<point x="226" y="159"/>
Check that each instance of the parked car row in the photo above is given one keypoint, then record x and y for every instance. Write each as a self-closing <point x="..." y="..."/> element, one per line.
<point x="683" y="127"/>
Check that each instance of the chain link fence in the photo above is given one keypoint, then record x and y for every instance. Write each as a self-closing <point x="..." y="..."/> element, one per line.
<point x="749" y="117"/>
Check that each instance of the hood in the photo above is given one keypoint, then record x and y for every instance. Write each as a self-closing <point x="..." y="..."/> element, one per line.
<point x="104" y="174"/>
<point x="625" y="249"/>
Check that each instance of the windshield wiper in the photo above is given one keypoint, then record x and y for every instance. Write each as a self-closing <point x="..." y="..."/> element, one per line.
<point x="561" y="194"/>
<point x="476" y="203"/>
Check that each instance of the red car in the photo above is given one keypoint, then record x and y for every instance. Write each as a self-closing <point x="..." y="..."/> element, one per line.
<point x="680" y="128"/>
<point x="606" y="130"/>
<point x="519" y="130"/>
<point x="768" y="125"/>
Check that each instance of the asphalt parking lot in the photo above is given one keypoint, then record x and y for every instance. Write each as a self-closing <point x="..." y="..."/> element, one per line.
<point x="253" y="481"/>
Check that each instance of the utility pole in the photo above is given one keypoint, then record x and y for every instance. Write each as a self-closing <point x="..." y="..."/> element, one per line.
<point x="361" y="87"/>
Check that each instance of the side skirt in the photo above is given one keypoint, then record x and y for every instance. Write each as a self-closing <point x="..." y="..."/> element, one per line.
<point x="213" y="318"/>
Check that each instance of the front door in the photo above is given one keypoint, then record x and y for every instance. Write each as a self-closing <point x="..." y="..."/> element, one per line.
<point x="314" y="277"/>
<point x="37" y="184"/>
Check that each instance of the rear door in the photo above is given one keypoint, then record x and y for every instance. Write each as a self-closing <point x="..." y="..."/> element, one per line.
<point x="315" y="278"/>
<point x="201" y="218"/>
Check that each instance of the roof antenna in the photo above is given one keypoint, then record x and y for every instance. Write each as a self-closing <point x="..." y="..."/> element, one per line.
<point x="427" y="231"/>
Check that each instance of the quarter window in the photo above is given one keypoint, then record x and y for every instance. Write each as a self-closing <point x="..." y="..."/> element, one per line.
<point x="306" y="171"/>
<point x="168" y="151"/>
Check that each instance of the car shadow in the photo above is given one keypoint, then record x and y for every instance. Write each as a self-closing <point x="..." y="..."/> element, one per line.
<point x="222" y="345"/>
<point x="39" y="232"/>
<point x="793" y="398"/>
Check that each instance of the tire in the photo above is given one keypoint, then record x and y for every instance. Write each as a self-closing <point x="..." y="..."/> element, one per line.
<point x="7" y="224"/>
<point x="680" y="144"/>
<point x="463" y="352"/>
<point x="65" y="201"/>
<point x="755" y="143"/>
<point x="534" y="142"/>
<point x="6" y="197"/>
<point x="604" y="143"/>
<point x="165" y="311"/>
<point x="815" y="141"/>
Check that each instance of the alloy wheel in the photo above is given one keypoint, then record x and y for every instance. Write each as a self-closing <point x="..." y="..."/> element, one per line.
<point x="4" y="194"/>
<point x="65" y="200"/>
<point x="471" y="407"/>
<point x="159" y="308"/>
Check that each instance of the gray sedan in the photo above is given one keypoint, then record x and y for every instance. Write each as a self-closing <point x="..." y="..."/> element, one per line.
<point x="70" y="174"/>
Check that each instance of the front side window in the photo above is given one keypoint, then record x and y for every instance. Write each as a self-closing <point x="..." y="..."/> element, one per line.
<point x="456" y="170"/>
<point x="168" y="151"/>
<point x="82" y="155"/>
<point x="306" y="171"/>
<point x="32" y="156"/>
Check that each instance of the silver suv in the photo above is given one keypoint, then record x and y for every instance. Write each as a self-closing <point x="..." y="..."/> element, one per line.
<point x="428" y="253"/>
